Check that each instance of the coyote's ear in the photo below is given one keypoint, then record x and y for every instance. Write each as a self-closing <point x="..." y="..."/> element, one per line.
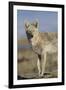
<point x="36" y="24"/>
<point x="26" y="24"/>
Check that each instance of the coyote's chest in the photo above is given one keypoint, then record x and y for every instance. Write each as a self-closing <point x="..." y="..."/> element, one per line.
<point x="36" y="45"/>
<point x="37" y="49"/>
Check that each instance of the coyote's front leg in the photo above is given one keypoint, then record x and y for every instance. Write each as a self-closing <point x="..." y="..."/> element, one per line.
<point x="39" y="65"/>
<point x="43" y="60"/>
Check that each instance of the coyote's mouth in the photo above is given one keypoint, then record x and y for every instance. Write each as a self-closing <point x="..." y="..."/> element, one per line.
<point x="29" y="35"/>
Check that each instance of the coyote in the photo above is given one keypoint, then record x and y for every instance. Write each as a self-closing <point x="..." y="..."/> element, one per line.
<point x="41" y="46"/>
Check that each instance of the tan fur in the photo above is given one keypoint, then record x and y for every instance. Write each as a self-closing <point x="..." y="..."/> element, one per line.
<point x="40" y="45"/>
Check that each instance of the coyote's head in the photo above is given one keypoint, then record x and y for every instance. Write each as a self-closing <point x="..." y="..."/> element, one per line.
<point x="31" y="29"/>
